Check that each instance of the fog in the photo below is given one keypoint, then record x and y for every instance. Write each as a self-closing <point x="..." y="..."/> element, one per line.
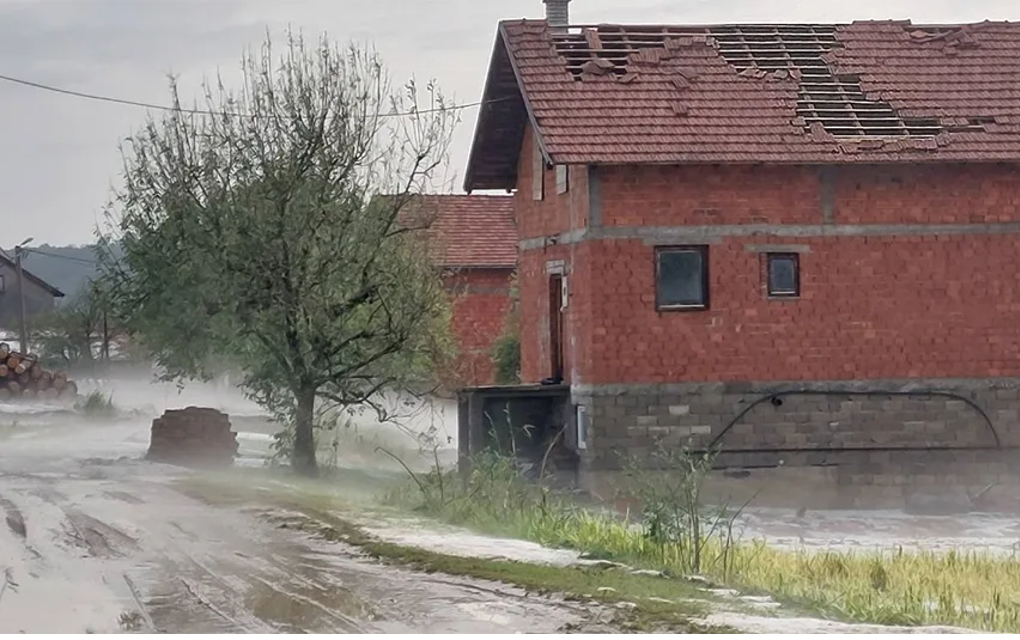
<point x="411" y="429"/>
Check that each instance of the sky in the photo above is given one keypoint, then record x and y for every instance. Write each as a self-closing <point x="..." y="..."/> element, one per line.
<point x="59" y="155"/>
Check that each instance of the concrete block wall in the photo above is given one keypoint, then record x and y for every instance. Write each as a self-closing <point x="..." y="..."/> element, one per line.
<point x="850" y="447"/>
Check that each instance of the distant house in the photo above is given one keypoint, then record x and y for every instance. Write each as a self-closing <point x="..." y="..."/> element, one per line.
<point x="796" y="242"/>
<point x="39" y="295"/>
<point x="475" y="241"/>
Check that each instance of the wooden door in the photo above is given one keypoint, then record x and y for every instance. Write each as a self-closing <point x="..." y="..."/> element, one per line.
<point x="556" y="326"/>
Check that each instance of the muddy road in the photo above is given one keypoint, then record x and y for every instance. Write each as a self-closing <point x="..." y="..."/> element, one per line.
<point x="94" y="540"/>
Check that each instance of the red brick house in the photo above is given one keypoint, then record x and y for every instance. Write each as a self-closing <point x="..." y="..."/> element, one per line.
<point x="475" y="241"/>
<point x="794" y="242"/>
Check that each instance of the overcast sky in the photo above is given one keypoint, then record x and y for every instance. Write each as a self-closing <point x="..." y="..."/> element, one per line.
<point x="58" y="156"/>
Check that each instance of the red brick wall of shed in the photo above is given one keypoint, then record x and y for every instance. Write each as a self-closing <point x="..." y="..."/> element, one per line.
<point x="481" y="302"/>
<point x="872" y="306"/>
<point x="554" y="214"/>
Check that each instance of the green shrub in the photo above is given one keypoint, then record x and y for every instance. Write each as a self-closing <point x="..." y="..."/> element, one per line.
<point x="506" y="355"/>
<point x="506" y="352"/>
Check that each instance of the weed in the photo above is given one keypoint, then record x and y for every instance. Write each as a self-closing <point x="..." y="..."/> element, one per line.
<point x="97" y="405"/>
<point x="131" y="621"/>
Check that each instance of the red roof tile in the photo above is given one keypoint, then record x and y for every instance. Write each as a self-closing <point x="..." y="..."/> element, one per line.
<point x="862" y="92"/>
<point x="472" y="231"/>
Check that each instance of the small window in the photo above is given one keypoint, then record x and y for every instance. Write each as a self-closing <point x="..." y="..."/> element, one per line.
<point x="562" y="179"/>
<point x="783" y="275"/>
<point x="681" y="277"/>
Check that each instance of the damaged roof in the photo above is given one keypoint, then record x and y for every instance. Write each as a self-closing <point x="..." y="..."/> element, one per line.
<point x="470" y="231"/>
<point x="865" y="92"/>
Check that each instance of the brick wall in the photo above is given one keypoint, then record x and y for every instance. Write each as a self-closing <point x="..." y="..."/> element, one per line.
<point x="556" y="213"/>
<point x="481" y="302"/>
<point x="908" y="281"/>
<point x="874" y="303"/>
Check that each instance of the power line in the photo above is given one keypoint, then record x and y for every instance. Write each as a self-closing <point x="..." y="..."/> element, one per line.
<point x="163" y="107"/>
<point x="30" y="250"/>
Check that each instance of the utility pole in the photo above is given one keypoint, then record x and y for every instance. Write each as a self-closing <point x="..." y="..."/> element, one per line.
<point x="19" y="252"/>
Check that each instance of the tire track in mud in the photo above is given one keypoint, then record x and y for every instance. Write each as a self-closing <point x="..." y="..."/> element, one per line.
<point x="270" y="592"/>
<point x="99" y="538"/>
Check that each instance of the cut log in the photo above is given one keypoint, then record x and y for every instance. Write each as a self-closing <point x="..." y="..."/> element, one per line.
<point x="3" y="371"/>
<point x="42" y="384"/>
<point x="24" y="379"/>
<point x="14" y="388"/>
<point x="36" y="372"/>
<point x="59" y="383"/>
<point x="13" y="361"/>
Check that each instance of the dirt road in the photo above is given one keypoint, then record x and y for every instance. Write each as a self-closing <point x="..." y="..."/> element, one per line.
<point x="94" y="540"/>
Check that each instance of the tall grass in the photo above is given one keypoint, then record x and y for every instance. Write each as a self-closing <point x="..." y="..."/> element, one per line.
<point x="674" y="533"/>
<point x="97" y="405"/>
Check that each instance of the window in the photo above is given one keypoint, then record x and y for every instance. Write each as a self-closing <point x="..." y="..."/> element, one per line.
<point x="681" y="275"/>
<point x="3" y="285"/>
<point x="562" y="178"/>
<point x="783" y="273"/>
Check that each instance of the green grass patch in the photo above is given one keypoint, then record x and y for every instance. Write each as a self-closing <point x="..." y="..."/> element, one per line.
<point x="675" y="534"/>
<point x="640" y="602"/>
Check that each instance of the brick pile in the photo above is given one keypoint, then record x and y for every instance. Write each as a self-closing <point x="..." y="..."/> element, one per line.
<point x="194" y="436"/>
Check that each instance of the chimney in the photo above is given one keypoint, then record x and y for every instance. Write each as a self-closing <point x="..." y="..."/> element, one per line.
<point x="556" y="13"/>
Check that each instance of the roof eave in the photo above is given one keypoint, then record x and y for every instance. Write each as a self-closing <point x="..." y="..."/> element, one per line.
<point x="471" y="181"/>
<point x="482" y="112"/>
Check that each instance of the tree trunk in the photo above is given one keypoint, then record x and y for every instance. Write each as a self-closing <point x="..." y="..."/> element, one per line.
<point x="303" y="457"/>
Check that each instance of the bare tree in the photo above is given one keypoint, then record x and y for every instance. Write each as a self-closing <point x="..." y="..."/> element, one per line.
<point x="257" y="233"/>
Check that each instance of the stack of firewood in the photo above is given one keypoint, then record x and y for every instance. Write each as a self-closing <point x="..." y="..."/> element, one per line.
<point x="194" y="436"/>
<point x="21" y="376"/>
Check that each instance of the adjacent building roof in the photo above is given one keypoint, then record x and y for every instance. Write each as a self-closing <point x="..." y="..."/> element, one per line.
<point x="472" y="231"/>
<point x="863" y="92"/>
<point x="31" y="277"/>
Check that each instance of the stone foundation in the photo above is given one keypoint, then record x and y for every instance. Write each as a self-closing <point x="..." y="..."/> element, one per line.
<point x="838" y="444"/>
<point x="194" y="436"/>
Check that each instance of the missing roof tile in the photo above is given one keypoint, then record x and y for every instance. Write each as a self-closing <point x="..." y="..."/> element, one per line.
<point x="623" y="45"/>
<point x="836" y="102"/>
<point x="827" y="97"/>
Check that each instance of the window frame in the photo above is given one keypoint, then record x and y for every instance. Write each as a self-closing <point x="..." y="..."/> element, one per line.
<point x="770" y="257"/>
<point x="702" y="251"/>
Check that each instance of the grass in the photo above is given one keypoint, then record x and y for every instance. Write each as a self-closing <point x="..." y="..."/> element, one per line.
<point x="97" y="405"/>
<point x="641" y="602"/>
<point x="898" y="587"/>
